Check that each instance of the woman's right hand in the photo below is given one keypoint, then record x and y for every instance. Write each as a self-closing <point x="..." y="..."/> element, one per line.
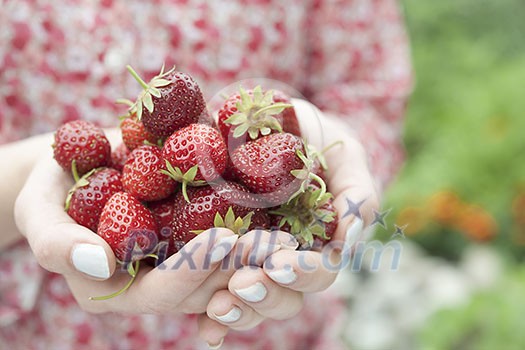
<point x="88" y="264"/>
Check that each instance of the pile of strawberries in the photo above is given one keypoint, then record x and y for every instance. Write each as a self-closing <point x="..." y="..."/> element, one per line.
<point x="179" y="172"/>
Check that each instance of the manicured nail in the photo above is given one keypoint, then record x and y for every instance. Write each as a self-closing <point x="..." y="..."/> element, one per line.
<point x="288" y="241"/>
<point x="354" y="232"/>
<point x="252" y="294"/>
<point x="90" y="259"/>
<point x="231" y="316"/>
<point x="216" y="346"/>
<point x="284" y="276"/>
<point x="222" y="247"/>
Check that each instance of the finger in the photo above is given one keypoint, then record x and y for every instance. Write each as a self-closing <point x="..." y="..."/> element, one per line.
<point x="184" y="273"/>
<point x="227" y="309"/>
<point x="255" y="289"/>
<point x="162" y="289"/>
<point x="303" y="271"/>
<point x="59" y="244"/>
<point x="252" y="248"/>
<point x="211" y="331"/>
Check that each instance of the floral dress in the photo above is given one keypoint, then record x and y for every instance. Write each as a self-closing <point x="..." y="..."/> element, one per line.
<point x="64" y="60"/>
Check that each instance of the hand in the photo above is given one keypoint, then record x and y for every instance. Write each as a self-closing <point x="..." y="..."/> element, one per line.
<point x="62" y="246"/>
<point x="287" y="273"/>
<point x="350" y="181"/>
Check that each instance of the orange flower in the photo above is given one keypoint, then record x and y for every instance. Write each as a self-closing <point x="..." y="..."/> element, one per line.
<point x="444" y="207"/>
<point x="477" y="224"/>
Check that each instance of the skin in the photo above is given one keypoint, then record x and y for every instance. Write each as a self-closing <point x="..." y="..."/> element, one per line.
<point x="52" y="234"/>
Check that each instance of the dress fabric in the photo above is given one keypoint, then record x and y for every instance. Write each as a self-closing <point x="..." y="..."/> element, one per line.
<point x="65" y="60"/>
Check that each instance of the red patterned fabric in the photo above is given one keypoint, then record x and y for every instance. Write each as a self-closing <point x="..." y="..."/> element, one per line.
<point x="65" y="60"/>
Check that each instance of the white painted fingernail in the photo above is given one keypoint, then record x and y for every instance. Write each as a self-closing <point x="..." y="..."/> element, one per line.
<point x="231" y="316"/>
<point x="90" y="259"/>
<point x="216" y="346"/>
<point x="252" y="294"/>
<point x="222" y="247"/>
<point x="284" y="276"/>
<point x="354" y="232"/>
<point x="288" y="241"/>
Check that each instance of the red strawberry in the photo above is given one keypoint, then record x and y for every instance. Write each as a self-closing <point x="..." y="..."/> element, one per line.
<point x="126" y="224"/>
<point x="248" y="115"/>
<point x="87" y="198"/>
<point x="119" y="157"/>
<point x="143" y="174"/>
<point x="205" y="202"/>
<point x="134" y="134"/>
<point x="266" y="166"/>
<point x="310" y="216"/>
<point x="195" y="154"/>
<point x="171" y="100"/>
<point x="83" y="142"/>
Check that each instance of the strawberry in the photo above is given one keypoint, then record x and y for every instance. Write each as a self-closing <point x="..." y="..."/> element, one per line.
<point x="83" y="142"/>
<point x="267" y="166"/>
<point x="205" y="202"/>
<point x="126" y="224"/>
<point x="194" y="155"/>
<point x="90" y="193"/>
<point x="248" y="115"/>
<point x="170" y="101"/>
<point x="119" y="156"/>
<point x="143" y="174"/>
<point x="134" y="134"/>
<point x="309" y="216"/>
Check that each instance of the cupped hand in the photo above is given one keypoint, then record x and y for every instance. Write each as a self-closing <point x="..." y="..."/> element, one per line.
<point x="274" y="289"/>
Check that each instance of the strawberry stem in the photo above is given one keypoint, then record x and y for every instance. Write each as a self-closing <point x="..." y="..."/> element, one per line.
<point x="327" y="148"/>
<point x="74" y="171"/>
<point x="185" y="191"/>
<point x="137" y="77"/>
<point x="320" y="181"/>
<point x="125" y="288"/>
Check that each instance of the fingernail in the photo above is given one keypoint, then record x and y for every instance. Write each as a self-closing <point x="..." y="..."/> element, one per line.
<point x="252" y="294"/>
<point x="231" y="316"/>
<point x="222" y="247"/>
<point x="90" y="259"/>
<point x="353" y="233"/>
<point x="284" y="276"/>
<point x="216" y="346"/>
<point x="288" y="241"/>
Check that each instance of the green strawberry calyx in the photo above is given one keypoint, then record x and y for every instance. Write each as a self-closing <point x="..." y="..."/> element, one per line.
<point x="239" y="225"/>
<point x="255" y="114"/>
<point x="306" y="174"/>
<point x="150" y="90"/>
<point x="185" y="178"/>
<point x="79" y="182"/>
<point x="306" y="216"/>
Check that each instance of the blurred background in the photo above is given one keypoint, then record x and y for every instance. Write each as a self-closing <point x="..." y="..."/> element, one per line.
<point x="461" y="194"/>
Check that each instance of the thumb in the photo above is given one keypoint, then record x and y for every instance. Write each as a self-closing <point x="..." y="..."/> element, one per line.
<point x="58" y="243"/>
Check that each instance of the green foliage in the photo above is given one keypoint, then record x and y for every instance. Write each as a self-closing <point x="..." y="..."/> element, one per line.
<point x="491" y="320"/>
<point x="466" y="120"/>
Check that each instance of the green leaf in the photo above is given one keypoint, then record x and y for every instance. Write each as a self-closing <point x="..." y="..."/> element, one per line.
<point x="191" y="173"/>
<point x="155" y="92"/>
<point x="218" y="221"/>
<point x="229" y="218"/>
<point x="236" y="119"/>
<point x="266" y="131"/>
<point x="257" y="95"/>
<point x="159" y="82"/>
<point x="253" y="132"/>
<point x="240" y="130"/>
<point x="148" y="102"/>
